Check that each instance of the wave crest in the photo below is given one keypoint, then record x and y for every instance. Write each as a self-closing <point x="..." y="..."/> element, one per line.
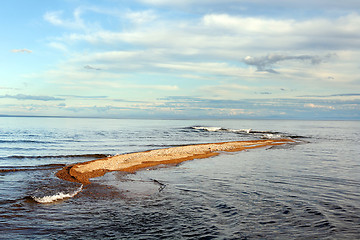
<point x="267" y="134"/>
<point x="56" y="197"/>
<point x="209" y="129"/>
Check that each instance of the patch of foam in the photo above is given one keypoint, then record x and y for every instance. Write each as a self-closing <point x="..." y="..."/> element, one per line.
<point x="272" y="136"/>
<point x="210" y="129"/>
<point x="240" y="130"/>
<point x="264" y="134"/>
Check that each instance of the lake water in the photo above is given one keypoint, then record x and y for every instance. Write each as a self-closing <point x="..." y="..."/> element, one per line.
<point x="306" y="190"/>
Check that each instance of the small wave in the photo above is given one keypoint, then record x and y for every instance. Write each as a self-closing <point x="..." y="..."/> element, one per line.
<point x="272" y="136"/>
<point x="218" y="129"/>
<point x="5" y="169"/>
<point x="267" y="134"/>
<point x="26" y="141"/>
<point x="240" y="130"/>
<point x="61" y="156"/>
<point x="165" y="145"/>
<point x="56" y="197"/>
<point x="209" y="129"/>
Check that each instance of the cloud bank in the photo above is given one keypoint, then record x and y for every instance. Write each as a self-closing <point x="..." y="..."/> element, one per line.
<point x="265" y="63"/>
<point x="32" y="97"/>
<point x="231" y="58"/>
<point x="91" y="67"/>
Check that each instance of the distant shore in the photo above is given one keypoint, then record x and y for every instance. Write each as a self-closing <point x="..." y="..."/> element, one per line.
<point x="82" y="172"/>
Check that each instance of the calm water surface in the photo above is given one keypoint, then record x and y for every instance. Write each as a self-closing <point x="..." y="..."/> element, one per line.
<point x="307" y="190"/>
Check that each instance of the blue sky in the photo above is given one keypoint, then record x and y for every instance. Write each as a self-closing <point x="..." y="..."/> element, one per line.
<point x="181" y="58"/>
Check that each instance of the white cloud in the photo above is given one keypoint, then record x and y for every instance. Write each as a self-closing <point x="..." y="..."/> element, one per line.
<point x="110" y="56"/>
<point x="141" y="17"/>
<point x="258" y="4"/>
<point x="155" y="87"/>
<point x="92" y="68"/>
<point x="215" y="46"/>
<point x="210" y="48"/>
<point x="311" y="105"/>
<point x="55" y="18"/>
<point x="221" y="34"/>
<point x="122" y="85"/>
<point x="226" y="91"/>
<point x="247" y="24"/>
<point x="212" y="68"/>
<point x="21" y="51"/>
<point x="265" y="63"/>
<point x="58" y="46"/>
<point x="31" y="97"/>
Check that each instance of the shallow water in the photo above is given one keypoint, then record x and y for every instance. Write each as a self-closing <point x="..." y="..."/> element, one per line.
<point x="308" y="190"/>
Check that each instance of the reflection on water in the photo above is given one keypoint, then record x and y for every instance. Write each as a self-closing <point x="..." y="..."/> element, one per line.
<point x="304" y="191"/>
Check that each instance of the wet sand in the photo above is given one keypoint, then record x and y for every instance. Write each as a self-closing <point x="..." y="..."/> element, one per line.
<point x="82" y="172"/>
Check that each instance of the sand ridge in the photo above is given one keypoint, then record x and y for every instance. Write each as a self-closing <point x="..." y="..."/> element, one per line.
<point x="131" y="162"/>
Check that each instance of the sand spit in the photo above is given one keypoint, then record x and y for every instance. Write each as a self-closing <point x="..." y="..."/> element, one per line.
<point x="82" y="172"/>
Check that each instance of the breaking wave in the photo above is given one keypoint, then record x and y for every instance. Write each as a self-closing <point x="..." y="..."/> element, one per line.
<point x="209" y="129"/>
<point x="57" y="196"/>
<point x="249" y="131"/>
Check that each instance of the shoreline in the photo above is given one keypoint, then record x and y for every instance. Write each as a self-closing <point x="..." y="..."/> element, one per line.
<point x="131" y="162"/>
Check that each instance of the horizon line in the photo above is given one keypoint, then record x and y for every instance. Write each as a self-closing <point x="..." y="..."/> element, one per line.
<point x="186" y="118"/>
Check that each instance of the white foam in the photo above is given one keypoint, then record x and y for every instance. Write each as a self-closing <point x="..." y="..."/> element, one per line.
<point x="58" y="196"/>
<point x="240" y="130"/>
<point x="210" y="129"/>
<point x="262" y="134"/>
<point x="272" y="136"/>
<point x="215" y="129"/>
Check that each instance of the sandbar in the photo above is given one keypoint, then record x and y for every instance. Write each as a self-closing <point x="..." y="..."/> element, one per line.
<point x="131" y="162"/>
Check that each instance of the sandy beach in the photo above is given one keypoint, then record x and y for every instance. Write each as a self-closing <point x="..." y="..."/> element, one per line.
<point x="82" y="172"/>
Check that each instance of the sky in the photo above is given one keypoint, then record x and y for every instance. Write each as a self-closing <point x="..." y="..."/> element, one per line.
<point x="246" y="59"/>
